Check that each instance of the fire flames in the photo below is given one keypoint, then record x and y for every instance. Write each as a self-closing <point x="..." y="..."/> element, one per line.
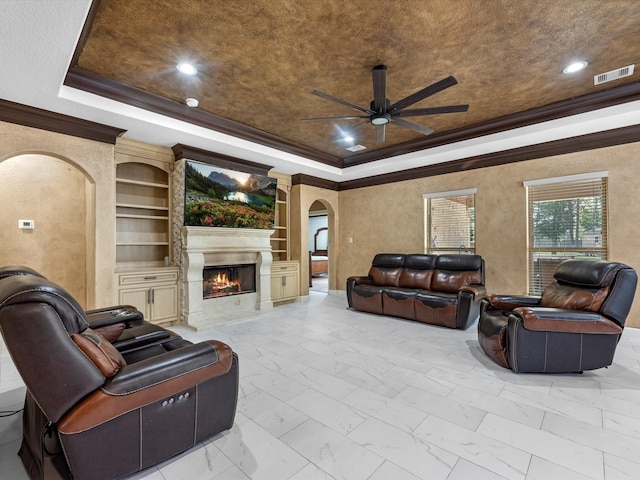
<point x="219" y="285"/>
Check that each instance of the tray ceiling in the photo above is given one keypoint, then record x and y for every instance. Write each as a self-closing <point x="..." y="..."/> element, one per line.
<point x="258" y="61"/>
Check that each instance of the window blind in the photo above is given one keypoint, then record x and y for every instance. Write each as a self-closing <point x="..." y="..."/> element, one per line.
<point x="450" y="222"/>
<point x="567" y="219"/>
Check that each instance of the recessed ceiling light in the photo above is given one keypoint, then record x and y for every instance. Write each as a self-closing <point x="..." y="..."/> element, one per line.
<point x="574" y="67"/>
<point x="348" y="138"/>
<point x="186" y="68"/>
<point x="191" y="102"/>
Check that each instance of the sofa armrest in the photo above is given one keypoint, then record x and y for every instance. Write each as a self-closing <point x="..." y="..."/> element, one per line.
<point x="509" y="302"/>
<point x="469" y="301"/>
<point x="477" y="291"/>
<point x="544" y="319"/>
<point x="352" y="282"/>
<point x="361" y="279"/>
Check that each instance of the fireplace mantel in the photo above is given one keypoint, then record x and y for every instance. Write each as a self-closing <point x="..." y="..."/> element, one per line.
<point x="208" y="246"/>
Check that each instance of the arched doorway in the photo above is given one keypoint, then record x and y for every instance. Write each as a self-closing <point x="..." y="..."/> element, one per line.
<point x="58" y="198"/>
<point x="318" y="238"/>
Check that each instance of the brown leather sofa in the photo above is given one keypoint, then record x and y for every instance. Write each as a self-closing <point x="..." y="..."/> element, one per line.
<point x="575" y="325"/>
<point x="96" y="413"/>
<point x="441" y="290"/>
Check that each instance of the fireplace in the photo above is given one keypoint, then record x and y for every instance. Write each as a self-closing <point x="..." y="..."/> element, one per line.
<point x="223" y="280"/>
<point x="216" y="248"/>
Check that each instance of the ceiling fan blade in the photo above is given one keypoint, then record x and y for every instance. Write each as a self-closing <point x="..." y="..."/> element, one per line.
<point x="412" y="126"/>
<point x="341" y="102"/>
<point x="431" y="111"/>
<point x="379" y="88"/>
<point x="352" y="117"/>
<point x="424" y="93"/>
<point x="380" y="130"/>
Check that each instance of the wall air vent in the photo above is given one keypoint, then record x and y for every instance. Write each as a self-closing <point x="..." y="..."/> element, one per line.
<point x="356" y="148"/>
<point x="613" y="75"/>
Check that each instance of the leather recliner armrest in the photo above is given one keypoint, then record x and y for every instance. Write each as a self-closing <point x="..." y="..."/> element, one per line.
<point x="126" y="314"/>
<point x="149" y="381"/>
<point x="509" y="302"/>
<point x="544" y="319"/>
<point x="169" y="365"/>
<point x="110" y="322"/>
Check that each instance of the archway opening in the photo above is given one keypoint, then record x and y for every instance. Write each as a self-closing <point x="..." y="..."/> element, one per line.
<point x="318" y="241"/>
<point x="53" y="199"/>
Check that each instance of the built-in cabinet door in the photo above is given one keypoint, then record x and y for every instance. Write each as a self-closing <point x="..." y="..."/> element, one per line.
<point x="153" y="292"/>
<point x="138" y="297"/>
<point x="276" y="288"/>
<point x="164" y="302"/>
<point x="284" y="281"/>
<point x="289" y="285"/>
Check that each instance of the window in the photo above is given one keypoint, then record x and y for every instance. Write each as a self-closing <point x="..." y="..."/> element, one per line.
<point x="450" y="222"/>
<point x="567" y="219"/>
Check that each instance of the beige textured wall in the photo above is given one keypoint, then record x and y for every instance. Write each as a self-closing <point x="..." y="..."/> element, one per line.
<point x="302" y="197"/>
<point x="389" y="218"/>
<point x="82" y="171"/>
<point x="59" y="238"/>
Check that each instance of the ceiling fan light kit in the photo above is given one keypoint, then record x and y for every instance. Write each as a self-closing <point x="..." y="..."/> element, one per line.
<point x="382" y="111"/>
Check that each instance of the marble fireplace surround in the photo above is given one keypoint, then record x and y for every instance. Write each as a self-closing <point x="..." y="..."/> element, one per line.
<point x="213" y="246"/>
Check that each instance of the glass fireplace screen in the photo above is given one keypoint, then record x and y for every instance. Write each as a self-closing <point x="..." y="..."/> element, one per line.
<point x="220" y="281"/>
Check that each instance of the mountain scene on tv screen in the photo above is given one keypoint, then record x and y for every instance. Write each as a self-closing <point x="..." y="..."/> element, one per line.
<point x="220" y="200"/>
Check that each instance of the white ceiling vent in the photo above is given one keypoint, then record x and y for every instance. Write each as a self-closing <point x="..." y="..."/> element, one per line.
<point x="613" y="75"/>
<point x="356" y="148"/>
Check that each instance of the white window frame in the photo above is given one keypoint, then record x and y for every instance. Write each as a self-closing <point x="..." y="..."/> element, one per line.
<point x="562" y="252"/>
<point x="426" y="199"/>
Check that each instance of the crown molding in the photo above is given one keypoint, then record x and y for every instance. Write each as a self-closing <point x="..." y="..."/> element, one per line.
<point x="218" y="160"/>
<point x="553" y="111"/>
<point x="93" y="83"/>
<point x="28" y="116"/>
<point x="563" y="146"/>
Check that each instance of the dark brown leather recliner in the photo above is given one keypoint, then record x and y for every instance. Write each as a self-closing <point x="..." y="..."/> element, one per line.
<point x="575" y="325"/>
<point x="123" y="326"/>
<point x="92" y="412"/>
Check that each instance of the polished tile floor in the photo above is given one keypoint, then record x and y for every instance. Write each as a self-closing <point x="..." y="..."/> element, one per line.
<point x="328" y="393"/>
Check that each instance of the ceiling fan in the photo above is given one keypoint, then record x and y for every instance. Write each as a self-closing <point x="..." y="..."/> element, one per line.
<point x="382" y="111"/>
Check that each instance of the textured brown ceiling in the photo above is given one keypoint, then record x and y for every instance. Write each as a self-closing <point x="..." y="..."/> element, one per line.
<point x="258" y="60"/>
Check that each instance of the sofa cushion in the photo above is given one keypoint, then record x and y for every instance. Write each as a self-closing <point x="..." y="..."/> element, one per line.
<point x="398" y="302"/>
<point x="557" y="295"/>
<point x="587" y="273"/>
<point x="436" y="308"/>
<point x="386" y="269"/>
<point x="455" y="271"/>
<point x="367" y="298"/>
<point x="417" y="271"/>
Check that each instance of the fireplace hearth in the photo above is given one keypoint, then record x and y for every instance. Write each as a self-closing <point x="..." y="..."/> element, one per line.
<point x="223" y="280"/>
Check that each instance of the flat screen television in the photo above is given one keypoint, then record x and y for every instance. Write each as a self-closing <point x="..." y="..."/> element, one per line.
<point x="218" y="197"/>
